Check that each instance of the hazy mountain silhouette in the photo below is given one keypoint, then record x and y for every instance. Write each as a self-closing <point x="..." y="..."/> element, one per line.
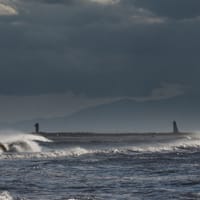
<point x="123" y="116"/>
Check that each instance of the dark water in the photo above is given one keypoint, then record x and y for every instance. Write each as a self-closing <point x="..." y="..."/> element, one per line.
<point x="87" y="167"/>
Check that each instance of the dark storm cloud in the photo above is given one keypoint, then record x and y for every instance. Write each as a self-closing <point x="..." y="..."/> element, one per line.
<point x="63" y="2"/>
<point x="178" y="9"/>
<point x="96" y="49"/>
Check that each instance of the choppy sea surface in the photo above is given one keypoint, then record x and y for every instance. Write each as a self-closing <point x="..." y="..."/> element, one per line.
<point x="99" y="166"/>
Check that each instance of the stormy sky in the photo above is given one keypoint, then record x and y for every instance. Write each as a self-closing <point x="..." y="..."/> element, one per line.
<point x="59" y="56"/>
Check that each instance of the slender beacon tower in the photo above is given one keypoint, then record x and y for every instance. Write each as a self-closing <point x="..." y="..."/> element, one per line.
<point x="175" y="127"/>
<point x="37" y="127"/>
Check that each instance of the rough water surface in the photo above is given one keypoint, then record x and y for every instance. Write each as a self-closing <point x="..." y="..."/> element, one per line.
<point x="97" y="167"/>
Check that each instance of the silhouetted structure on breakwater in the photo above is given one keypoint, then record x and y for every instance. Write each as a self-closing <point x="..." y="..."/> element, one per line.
<point x="175" y="127"/>
<point x="37" y="128"/>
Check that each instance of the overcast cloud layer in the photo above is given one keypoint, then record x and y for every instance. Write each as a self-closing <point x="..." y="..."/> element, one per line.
<point x="102" y="49"/>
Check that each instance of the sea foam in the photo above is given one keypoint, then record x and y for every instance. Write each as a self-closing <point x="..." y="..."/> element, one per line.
<point x="14" y="141"/>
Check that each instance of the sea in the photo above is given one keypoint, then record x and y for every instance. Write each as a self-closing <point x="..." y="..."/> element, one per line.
<point x="88" y="166"/>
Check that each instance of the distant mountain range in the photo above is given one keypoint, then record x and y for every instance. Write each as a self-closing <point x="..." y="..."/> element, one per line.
<point x="123" y="116"/>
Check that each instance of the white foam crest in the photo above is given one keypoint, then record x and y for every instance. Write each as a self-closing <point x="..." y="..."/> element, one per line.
<point x="5" y="195"/>
<point x="183" y="144"/>
<point x="76" y="151"/>
<point x="163" y="147"/>
<point x="20" y="142"/>
<point x="10" y="136"/>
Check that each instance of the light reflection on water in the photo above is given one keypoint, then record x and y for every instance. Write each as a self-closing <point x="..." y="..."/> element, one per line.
<point x="101" y="171"/>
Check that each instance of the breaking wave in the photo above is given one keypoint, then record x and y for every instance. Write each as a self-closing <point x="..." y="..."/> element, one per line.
<point x="12" y="141"/>
<point x="180" y="146"/>
<point x="17" y="145"/>
<point x="5" y="196"/>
